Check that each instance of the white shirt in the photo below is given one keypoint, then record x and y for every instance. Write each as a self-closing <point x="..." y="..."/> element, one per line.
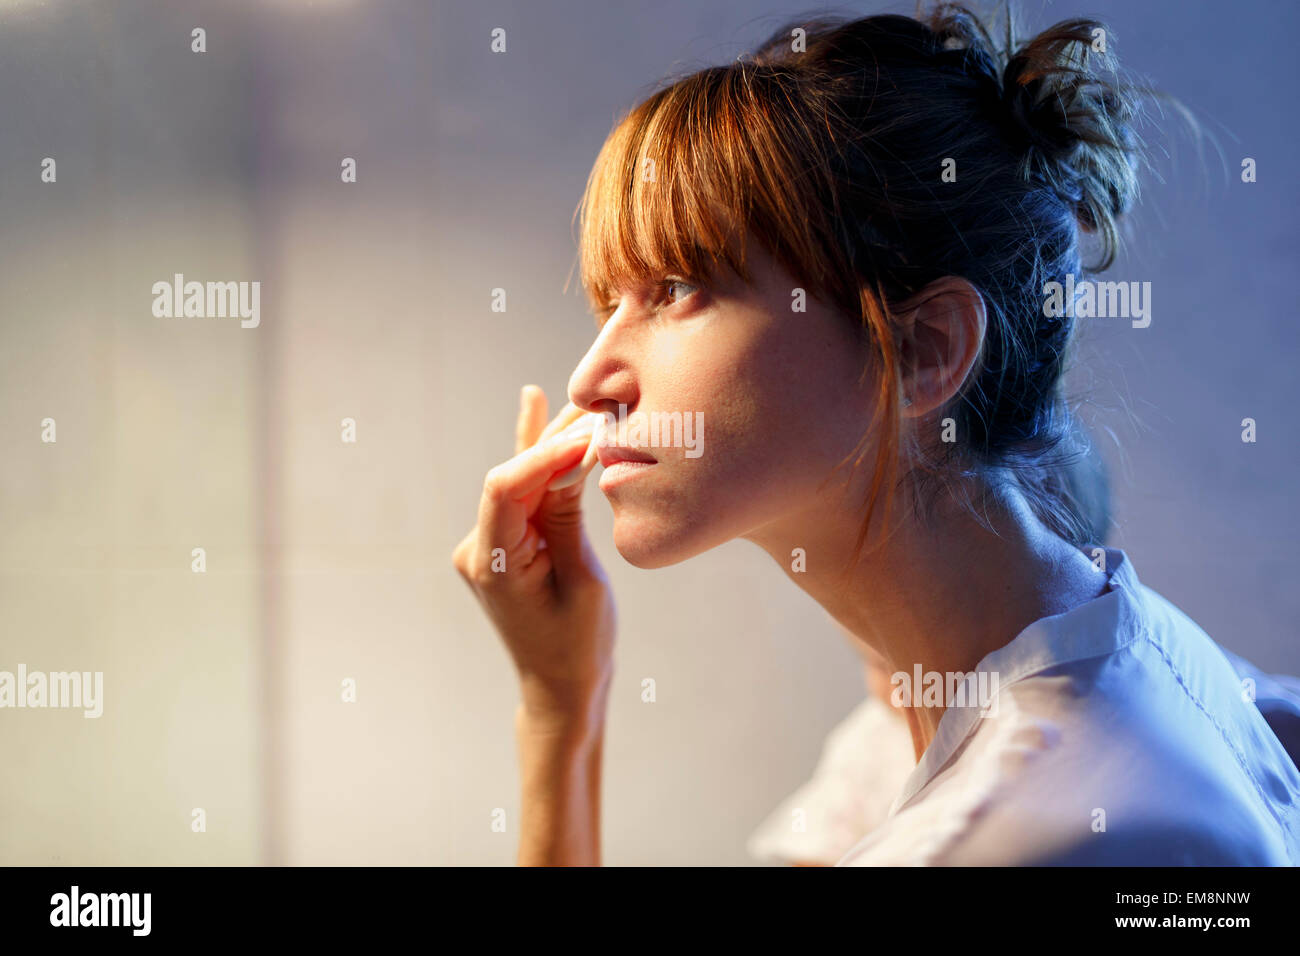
<point x="1116" y="735"/>
<point x="1121" y="735"/>
<point x="862" y="766"/>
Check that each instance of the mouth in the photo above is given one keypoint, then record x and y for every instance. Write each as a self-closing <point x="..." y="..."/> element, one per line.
<point x="611" y="455"/>
<point x="622" y="464"/>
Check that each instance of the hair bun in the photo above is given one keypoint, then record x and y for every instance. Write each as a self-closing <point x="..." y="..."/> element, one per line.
<point x="1061" y="108"/>
<point x="1074" y="122"/>
<point x="1035" y="117"/>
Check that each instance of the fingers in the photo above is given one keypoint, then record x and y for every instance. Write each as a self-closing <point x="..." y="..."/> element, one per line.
<point x="532" y="412"/>
<point x="580" y="471"/>
<point x="526" y="550"/>
<point x="532" y="417"/>
<point x="569" y="414"/>
<point x="502" y="510"/>
<point x="514" y="489"/>
<point x="525" y="561"/>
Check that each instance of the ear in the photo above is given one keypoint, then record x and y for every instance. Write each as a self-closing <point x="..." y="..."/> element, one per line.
<point x="941" y="335"/>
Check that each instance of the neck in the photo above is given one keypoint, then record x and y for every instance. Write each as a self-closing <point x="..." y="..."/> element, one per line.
<point x="936" y="594"/>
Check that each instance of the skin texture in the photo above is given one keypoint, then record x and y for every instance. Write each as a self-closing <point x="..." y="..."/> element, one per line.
<point x="783" y="408"/>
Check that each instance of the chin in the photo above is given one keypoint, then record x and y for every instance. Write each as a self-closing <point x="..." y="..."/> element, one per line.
<point x="650" y="543"/>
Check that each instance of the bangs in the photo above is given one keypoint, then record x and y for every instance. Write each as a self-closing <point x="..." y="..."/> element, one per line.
<point x="668" y="193"/>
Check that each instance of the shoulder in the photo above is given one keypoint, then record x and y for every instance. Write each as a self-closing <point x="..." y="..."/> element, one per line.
<point x="1088" y="807"/>
<point x="1163" y="843"/>
<point x="1068" y="773"/>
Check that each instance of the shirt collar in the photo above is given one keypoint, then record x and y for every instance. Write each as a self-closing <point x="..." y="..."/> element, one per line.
<point x="1101" y="626"/>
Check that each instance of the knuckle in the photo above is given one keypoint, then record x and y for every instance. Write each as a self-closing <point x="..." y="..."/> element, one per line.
<point x="494" y="487"/>
<point x="485" y="579"/>
<point x="460" y="554"/>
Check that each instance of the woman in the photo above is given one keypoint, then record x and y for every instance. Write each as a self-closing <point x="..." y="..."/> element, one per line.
<point x="835" y="254"/>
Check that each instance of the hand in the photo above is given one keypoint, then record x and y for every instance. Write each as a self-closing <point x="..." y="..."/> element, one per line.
<point x="532" y="568"/>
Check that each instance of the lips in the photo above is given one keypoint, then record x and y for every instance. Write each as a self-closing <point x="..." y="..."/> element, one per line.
<point x="613" y="454"/>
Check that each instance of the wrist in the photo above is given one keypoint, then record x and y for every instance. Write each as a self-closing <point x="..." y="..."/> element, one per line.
<point x="573" y="712"/>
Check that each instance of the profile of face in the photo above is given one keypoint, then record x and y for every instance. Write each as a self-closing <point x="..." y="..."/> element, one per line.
<point x="779" y="394"/>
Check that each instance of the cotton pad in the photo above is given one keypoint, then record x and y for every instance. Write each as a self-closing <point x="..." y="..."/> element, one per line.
<point x="583" y="468"/>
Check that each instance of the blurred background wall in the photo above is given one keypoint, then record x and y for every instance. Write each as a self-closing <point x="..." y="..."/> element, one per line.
<point x="329" y="561"/>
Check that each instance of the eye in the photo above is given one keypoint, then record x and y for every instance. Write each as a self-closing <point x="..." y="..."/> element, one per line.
<point x="672" y="283"/>
<point x="672" y="291"/>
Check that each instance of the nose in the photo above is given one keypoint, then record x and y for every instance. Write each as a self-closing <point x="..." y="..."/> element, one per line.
<point x="606" y="376"/>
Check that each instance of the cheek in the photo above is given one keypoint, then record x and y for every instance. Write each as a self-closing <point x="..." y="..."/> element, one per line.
<point x="764" y="399"/>
<point x="779" y="413"/>
<point x="710" y="371"/>
<point x="691" y="504"/>
<point x="792" y="400"/>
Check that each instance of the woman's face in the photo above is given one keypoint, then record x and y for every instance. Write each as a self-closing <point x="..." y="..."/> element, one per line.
<point x="775" y="391"/>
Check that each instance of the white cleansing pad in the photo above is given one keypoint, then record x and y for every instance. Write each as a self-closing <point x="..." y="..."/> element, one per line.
<point x="583" y="468"/>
